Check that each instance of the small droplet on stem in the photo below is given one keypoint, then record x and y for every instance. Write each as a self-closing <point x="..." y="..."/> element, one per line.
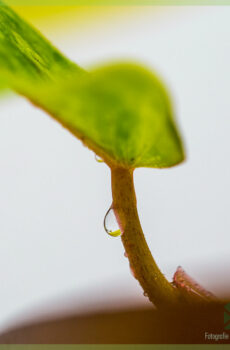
<point x="98" y="159"/>
<point x="145" y="294"/>
<point x="110" y="224"/>
<point x="125" y="255"/>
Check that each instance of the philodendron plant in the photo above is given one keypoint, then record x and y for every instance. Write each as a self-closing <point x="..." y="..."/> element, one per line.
<point x="122" y="112"/>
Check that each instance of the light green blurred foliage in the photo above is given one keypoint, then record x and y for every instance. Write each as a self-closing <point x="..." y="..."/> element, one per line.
<point x="121" y="111"/>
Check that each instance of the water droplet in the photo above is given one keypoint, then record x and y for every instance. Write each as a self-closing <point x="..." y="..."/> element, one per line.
<point x="110" y="224"/>
<point x="145" y="294"/>
<point x="125" y="254"/>
<point x="98" y="159"/>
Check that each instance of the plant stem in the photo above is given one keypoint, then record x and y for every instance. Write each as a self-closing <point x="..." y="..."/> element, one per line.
<point x="160" y="292"/>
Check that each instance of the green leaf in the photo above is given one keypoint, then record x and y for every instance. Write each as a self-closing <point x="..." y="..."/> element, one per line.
<point x="25" y="56"/>
<point x="121" y="111"/>
<point x="124" y="110"/>
<point x="2" y="86"/>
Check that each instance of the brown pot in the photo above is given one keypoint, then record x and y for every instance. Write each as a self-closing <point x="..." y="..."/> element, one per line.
<point x="128" y="326"/>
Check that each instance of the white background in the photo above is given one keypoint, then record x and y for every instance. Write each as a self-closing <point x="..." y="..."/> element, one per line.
<point x="54" y="254"/>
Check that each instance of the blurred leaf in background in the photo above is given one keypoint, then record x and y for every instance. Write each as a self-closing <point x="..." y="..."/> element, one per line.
<point x="121" y="111"/>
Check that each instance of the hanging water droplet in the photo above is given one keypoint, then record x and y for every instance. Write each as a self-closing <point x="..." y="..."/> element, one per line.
<point x="145" y="294"/>
<point x="125" y="255"/>
<point x="110" y="224"/>
<point x="98" y="159"/>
